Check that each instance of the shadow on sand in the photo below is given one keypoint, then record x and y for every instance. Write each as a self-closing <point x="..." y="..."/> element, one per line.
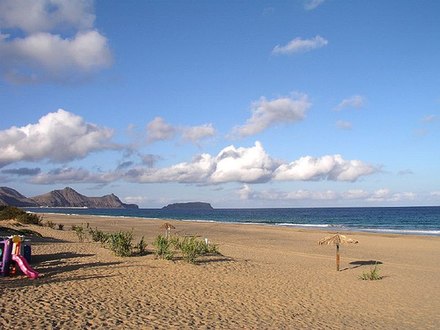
<point x="360" y="263"/>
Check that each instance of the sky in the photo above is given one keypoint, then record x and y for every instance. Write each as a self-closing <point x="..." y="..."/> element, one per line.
<point x="299" y="103"/>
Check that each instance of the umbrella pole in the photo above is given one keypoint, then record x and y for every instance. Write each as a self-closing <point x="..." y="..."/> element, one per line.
<point x="337" y="257"/>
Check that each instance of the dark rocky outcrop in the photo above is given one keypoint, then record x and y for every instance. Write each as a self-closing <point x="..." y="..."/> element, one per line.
<point x="188" y="206"/>
<point x="66" y="197"/>
<point x="9" y="196"/>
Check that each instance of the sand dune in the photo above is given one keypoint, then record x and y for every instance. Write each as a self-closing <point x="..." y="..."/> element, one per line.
<point x="267" y="278"/>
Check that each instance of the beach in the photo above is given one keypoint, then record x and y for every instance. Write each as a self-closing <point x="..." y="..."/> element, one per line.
<point x="267" y="277"/>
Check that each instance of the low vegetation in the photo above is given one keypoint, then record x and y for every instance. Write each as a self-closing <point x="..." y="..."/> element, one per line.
<point x="372" y="275"/>
<point x="15" y="213"/>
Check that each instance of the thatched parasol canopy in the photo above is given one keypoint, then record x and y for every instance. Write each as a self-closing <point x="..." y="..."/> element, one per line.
<point x="337" y="240"/>
<point x="167" y="226"/>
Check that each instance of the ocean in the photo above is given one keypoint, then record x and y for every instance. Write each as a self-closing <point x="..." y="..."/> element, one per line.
<point x="399" y="220"/>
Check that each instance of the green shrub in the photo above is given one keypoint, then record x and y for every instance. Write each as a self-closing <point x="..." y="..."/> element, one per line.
<point x="121" y="243"/>
<point x="163" y="248"/>
<point x="98" y="235"/>
<point x="12" y="212"/>
<point x="191" y="248"/>
<point x="50" y="224"/>
<point x="30" y="219"/>
<point x="79" y="231"/>
<point x="372" y="275"/>
<point x="142" y="246"/>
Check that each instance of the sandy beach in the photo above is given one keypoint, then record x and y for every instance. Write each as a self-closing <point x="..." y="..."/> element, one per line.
<point x="266" y="278"/>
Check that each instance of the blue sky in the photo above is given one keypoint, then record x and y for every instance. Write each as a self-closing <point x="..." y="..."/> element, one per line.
<point x="237" y="103"/>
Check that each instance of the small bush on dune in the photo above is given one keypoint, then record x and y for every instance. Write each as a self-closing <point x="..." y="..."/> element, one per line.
<point x="372" y="275"/>
<point x="142" y="247"/>
<point x="98" y="235"/>
<point x="12" y="212"/>
<point x="79" y="231"/>
<point x="163" y="248"/>
<point x="50" y="224"/>
<point x="121" y="243"/>
<point x="60" y="226"/>
<point x="30" y="219"/>
<point x="192" y="247"/>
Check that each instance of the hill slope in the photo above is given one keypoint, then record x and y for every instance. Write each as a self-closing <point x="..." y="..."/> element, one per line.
<point x="68" y="197"/>
<point x="9" y="196"/>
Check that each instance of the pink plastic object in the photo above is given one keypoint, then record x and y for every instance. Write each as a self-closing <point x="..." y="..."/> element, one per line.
<point x="24" y="266"/>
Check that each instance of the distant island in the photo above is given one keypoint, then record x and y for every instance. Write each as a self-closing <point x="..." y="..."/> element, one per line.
<point x="188" y="206"/>
<point x="66" y="197"/>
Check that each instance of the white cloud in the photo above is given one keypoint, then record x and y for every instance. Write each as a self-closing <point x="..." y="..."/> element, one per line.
<point x="59" y="136"/>
<point x="342" y="124"/>
<point x="312" y="4"/>
<point x="330" y="167"/>
<point x="252" y="165"/>
<point x="41" y="52"/>
<point x="159" y="130"/>
<point x="355" y="101"/>
<point x="70" y="175"/>
<point x="299" y="45"/>
<point x="196" y="171"/>
<point x="379" y="196"/>
<point x="243" y="165"/>
<point x="385" y="195"/>
<point x="45" y="15"/>
<point x="196" y="133"/>
<point x="266" y="113"/>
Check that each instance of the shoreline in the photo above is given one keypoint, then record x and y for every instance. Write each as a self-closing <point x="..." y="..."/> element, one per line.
<point x="317" y="227"/>
<point x="267" y="277"/>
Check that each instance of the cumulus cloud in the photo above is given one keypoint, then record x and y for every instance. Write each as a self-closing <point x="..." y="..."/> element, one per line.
<point x="196" y="171"/>
<point x="159" y="130"/>
<point x="312" y="4"/>
<point x="59" y="136"/>
<point x="379" y="196"/>
<point x="46" y="15"/>
<point x="246" y="193"/>
<point x="196" y="133"/>
<point x="252" y="165"/>
<point x="385" y="195"/>
<point x="267" y="113"/>
<point x="299" y="45"/>
<point x="40" y="52"/>
<point x="243" y="165"/>
<point x="330" y="167"/>
<point x="355" y="101"/>
<point x="67" y="175"/>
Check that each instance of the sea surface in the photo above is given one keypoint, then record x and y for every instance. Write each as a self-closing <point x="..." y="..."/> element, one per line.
<point x="399" y="220"/>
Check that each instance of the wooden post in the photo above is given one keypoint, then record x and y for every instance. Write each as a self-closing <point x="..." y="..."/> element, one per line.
<point x="337" y="257"/>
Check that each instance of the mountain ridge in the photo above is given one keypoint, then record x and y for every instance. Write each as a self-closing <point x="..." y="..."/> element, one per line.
<point x="67" y="197"/>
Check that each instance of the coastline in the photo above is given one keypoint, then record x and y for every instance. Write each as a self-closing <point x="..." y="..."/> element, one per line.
<point x="268" y="277"/>
<point x="419" y="223"/>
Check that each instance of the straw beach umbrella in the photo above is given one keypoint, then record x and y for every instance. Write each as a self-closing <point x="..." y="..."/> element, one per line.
<point x="167" y="226"/>
<point x="337" y="240"/>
